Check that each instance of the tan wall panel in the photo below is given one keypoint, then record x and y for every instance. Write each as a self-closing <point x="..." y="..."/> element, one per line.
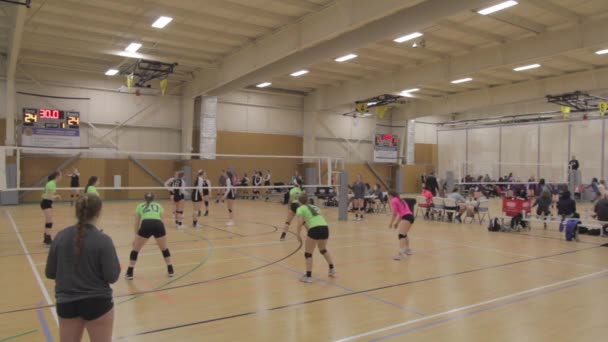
<point x="2" y="130"/>
<point x="139" y="178"/>
<point x="385" y="170"/>
<point x="426" y="154"/>
<point x="411" y="177"/>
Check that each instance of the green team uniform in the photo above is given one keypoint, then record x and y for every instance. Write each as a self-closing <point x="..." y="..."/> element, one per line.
<point x="311" y="220"/>
<point x="294" y="195"/>
<point x="92" y="190"/>
<point x="49" y="190"/>
<point x="152" y="211"/>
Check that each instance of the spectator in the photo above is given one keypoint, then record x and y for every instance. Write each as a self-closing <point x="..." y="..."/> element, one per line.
<point x="566" y="206"/>
<point x="595" y="186"/>
<point x="573" y="164"/>
<point x="601" y="209"/>
<point x="459" y="199"/>
<point x="429" y="200"/>
<point x="543" y="202"/>
<point x="431" y="184"/>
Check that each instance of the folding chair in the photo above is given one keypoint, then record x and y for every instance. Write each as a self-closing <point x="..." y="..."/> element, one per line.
<point x="438" y="208"/>
<point x="483" y="211"/>
<point x="421" y="206"/>
<point x="450" y="203"/>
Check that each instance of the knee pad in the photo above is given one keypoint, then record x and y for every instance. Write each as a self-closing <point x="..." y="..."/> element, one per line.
<point x="230" y="211"/>
<point x="48" y="225"/>
<point x="166" y="253"/>
<point x="402" y="236"/>
<point x="323" y="251"/>
<point x="179" y="212"/>
<point x="307" y="255"/>
<point x="133" y="255"/>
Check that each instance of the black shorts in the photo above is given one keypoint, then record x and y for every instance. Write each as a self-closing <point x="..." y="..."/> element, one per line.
<point x="88" y="309"/>
<point x="267" y="183"/>
<point x="196" y="196"/>
<point x="294" y="207"/>
<point x="408" y="217"/>
<point x="543" y="212"/>
<point x="178" y="197"/>
<point x="319" y="233"/>
<point x="46" y="204"/>
<point x="205" y="192"/>
<point x="150" y="228"/>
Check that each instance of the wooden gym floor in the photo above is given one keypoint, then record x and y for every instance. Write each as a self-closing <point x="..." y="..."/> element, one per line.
<point x="462" y="284"/>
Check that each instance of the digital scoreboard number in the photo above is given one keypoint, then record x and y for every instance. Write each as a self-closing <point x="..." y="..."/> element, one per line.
<point x="50" y="118"/>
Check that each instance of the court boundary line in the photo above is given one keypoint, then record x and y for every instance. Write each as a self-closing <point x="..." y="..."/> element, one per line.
<point x="45" y="292"/>
<point x="4" y="339"/>
<point x="467" y="307"/>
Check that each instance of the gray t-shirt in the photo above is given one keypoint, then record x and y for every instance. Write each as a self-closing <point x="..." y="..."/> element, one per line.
<point x="456" y="197"/>
<point x="88" y="276"/>
<point x="359" y="190"/>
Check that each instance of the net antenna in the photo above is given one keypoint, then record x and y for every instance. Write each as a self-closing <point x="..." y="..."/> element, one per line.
<point x="145" y="71"/>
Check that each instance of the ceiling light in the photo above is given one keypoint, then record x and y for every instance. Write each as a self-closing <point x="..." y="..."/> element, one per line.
<point x="130" y="54"/>
<point x="133" y="47"/>
<point x="346" y="58"/>
<point x="408" y="37"/>
<point x="498" y="7"/>
<point x="111" y="72"/>
<point x="369" y="104"/>
<point x="161" y="22"/>
<point x="602" y="52"/>
<point x="527" y="67"/>
<point x="264" y="85"/>
<point x="410" y="90"/>
<point x="462" y="80"/>
<point x="299" y="73"/>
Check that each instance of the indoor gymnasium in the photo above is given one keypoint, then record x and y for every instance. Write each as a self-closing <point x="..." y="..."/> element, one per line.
<point x="303" y="170"/>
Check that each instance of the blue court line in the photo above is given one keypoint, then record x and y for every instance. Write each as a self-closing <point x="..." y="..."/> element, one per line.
<point x="336" y="285"/>
<point x="44" y="324"/>
<point x="492" y="307"/>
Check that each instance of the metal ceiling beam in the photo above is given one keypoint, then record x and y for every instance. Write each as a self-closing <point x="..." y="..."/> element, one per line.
<point x="556" y="9"/>
<point x="14" y="47"/>
<point x="517" y="21"/>
<point x="587" y="35"/>
<point x="588" y="80"/>
<point x="452" y="25"/>
<point x="448" y="42"/>
<point x="333" y="32"/>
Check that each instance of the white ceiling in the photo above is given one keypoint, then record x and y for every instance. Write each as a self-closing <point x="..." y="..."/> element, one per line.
<point x="88" y="35"/>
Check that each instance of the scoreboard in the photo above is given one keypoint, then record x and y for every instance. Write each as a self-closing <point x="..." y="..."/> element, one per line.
<point x="46" y="127"/>
<point x="50" y="118"/>
<point x="386" y="148"/>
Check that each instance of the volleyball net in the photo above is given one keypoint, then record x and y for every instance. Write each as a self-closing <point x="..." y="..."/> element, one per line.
<point x="126" y="175"/>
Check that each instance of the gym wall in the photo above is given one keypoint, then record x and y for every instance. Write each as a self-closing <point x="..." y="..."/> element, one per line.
<point x="547" y="146"/>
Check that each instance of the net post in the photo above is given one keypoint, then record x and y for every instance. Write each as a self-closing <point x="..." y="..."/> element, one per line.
<point x="319" y="171"/>
<point x="18" y="162"/>
<point x="329" y="171"/>
<point x="343" y="196"/>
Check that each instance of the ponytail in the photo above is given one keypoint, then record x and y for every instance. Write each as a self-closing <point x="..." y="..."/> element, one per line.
<point x="88" y="207"/>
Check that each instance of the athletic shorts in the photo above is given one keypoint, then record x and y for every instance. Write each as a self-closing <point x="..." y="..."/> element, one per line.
<point x="319" y="233"/>
<point x="150" y="228"/>
<point x="408" y="217"/>
<point x="88" y="309"/>
<point x="178" y="197"/>
<point x="541" y="212"/>
<point x="196" y="196"/>
<point x="294" y="207"/>
<point x="205" y="192"/>
<point x="267" y="183"/>
<point x="359" y="197"/>
<point x="231" y="195"/>
<point x="46" y="204"/>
